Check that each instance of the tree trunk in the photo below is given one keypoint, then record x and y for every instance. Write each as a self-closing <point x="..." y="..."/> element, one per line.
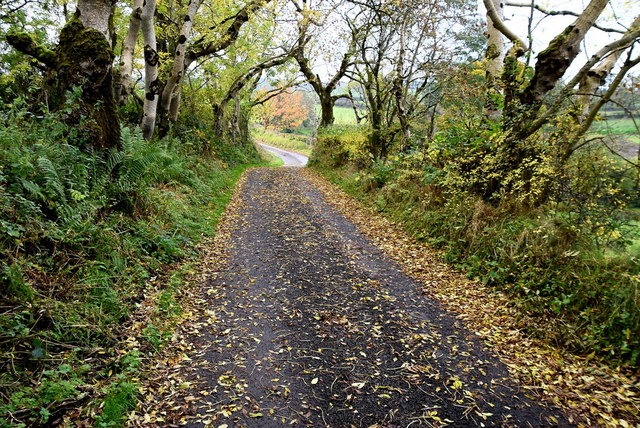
<point x="151" y="89"/>
<point x="177" y="71"/>
<point x="494" y="58"/>
<point x="124" y="85"/>
<point x="217" y="111"/>
<point x="326" y="108"/>
<point x="97" y="15"/>
<point x="398" y="90"/>
<point x="83" y="59"/>
<point x="327" y="101"/>
<point x="174" y="107"/>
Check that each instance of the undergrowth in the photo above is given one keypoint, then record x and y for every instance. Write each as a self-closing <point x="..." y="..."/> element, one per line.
<point x="83" y="236"/>
<point x="564" y="263"/>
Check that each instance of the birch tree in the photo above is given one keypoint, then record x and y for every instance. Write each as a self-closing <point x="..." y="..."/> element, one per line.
<point x="151" y="85"/>
<point x="191" y="48"/>
<point x="123" y="86"/>
<point x="170" y="92"/>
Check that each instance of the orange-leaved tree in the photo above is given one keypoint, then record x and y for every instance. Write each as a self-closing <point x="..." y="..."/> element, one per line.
<point x="286" y="111"/>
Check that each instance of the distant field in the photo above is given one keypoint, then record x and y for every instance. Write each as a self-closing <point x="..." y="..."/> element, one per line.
<point x="623" y="127"/>
<point x="344" y="116"/>
<point x="296" y="143"/>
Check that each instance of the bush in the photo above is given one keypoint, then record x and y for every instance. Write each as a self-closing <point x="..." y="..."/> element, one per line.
<point x="338" y="145"/>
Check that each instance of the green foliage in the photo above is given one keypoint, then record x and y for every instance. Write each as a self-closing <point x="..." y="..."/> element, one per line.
<point x="82" y="234"/>
<point x="338" y="145"/>
<point x="120" y="398"/>
<point x="119" y="401"/>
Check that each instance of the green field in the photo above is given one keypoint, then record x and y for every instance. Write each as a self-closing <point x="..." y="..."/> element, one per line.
<point x="344" y="116"/>
<point x="625" y="128"/>
<point x="294" y="142"/>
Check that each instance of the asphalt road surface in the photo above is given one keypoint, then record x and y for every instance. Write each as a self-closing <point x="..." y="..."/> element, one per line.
<point x="289" y="158"/>
<point x="310" y="324"/>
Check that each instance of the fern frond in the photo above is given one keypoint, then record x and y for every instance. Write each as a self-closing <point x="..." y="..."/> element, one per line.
<point x="53" y="183"/>
<point x="33" y="189"/>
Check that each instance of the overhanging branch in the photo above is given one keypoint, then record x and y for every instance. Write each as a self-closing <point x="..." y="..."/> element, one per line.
<point x="501" y="26"/>
<point x="563" y="13"/>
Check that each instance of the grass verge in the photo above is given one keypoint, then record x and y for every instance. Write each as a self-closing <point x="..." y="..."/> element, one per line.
<point x="292" y="142"/>
<point x="95" y="248"/>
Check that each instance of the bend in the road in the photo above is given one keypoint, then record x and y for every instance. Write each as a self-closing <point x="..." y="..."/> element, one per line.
<point x="289" y="158"/>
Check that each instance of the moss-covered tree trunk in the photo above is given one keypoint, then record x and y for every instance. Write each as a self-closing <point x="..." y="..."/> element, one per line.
<point x="82" y="63"/>
<point x="85" y="61"/>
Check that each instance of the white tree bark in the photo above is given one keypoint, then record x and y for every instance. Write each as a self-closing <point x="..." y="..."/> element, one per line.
<point x="596" y="76"/>
<point x="177" y="70"/>
<point x="96" y="14"/>
<point x="150" y="69"/>
<point x="495" y="41"/>
<point x="123" y="86"/>
<point x="494" y="56"/>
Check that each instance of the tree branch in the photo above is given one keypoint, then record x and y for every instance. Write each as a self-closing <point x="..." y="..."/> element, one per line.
<point x="562" y="12"/>
<point x="24" y="43"/>
<point x="552" y="109"/>
<point x="232" y="32"/>
<point x="501" y="26"/>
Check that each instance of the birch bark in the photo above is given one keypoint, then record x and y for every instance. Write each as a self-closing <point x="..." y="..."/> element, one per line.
<point x="175" y="78"/>
<point x="151" y="90"/>
<point x="124" y="85"/>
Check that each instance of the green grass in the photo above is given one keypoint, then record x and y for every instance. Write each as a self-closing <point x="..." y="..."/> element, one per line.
<point x="344" y="116"/>
<point x="624" y="127"/>
<point x="274" y="161"/>
<point x="281" y="140"/>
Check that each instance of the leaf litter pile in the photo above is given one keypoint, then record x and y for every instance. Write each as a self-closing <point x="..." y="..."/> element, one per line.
<point x="297" y="319"/>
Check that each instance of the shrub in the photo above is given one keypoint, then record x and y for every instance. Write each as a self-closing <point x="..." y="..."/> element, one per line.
<point x="338" y="145"/>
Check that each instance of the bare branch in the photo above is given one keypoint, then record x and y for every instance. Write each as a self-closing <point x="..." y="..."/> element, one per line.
<point x="564" y="13"/>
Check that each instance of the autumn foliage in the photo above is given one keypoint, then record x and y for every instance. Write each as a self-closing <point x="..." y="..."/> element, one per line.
<point x="285" y="111"/>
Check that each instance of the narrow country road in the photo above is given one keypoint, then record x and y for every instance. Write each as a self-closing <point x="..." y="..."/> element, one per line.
<point x="308" y="324"/>
<point x="289" y="158"/>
